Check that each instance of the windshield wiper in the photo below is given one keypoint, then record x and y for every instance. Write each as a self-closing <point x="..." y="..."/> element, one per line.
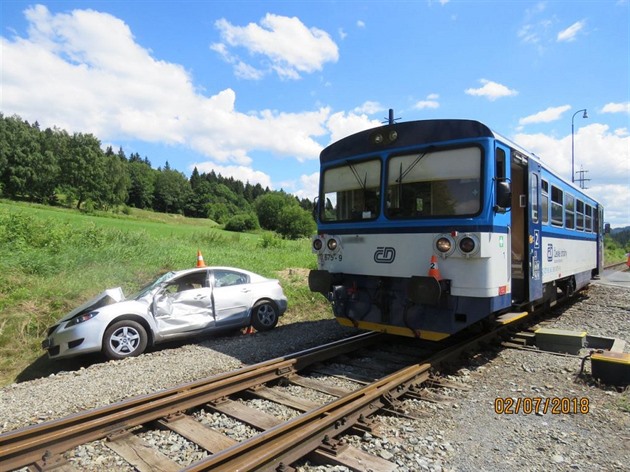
<point x="412" y="165"/>
<point x="357" y="176"/>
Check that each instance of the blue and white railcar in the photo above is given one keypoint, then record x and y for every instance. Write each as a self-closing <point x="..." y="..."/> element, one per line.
<point x="427" y="227"/>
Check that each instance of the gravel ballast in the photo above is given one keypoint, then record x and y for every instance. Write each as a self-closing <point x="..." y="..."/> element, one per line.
<point x="464" y="433"/>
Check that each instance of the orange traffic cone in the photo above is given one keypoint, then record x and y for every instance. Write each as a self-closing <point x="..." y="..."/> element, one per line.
<point x="200" y="262"/>
<point x="433" y="269"/>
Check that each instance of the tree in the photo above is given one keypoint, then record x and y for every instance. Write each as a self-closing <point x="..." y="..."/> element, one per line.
<point x="116" y="182"/>
<point x="269" y="207"/>
<point x="195" y="179"/>
<point x="28" y="168"/>
<point x="141" y="183"/>
<point x="172" y="190"/>
<point x="83" y="168"/>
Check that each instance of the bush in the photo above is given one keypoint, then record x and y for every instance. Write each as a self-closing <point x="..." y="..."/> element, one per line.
<point x="269" y="209"/>
<point x="271" y="240"/>
<point x="241" y="223"/>
<point x="295" y="223"/>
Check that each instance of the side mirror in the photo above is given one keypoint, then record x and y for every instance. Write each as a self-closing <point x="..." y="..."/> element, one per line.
<point x="315" y="208"/>
<point x="504" y="196"/>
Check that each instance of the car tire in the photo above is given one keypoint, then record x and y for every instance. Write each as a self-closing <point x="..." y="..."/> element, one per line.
<point x="264" y="315"/>
<point x="123" y="339"/>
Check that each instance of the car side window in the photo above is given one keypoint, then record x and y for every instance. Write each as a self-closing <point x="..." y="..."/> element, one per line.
<point x="188" y="282"/>
<point x="226" y="278"/>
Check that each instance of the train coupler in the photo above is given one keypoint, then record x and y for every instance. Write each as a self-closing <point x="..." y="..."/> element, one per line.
<point x="425" y="290"/>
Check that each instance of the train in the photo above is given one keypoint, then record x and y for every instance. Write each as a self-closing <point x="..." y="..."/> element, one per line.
<point x="427" y="228"/>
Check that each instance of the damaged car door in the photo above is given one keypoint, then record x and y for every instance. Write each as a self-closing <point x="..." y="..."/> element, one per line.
<point x="233" y="296"/>
<point x="184" y="304"/>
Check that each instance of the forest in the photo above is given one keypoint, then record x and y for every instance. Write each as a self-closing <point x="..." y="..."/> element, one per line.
<point x="54" y="167"/>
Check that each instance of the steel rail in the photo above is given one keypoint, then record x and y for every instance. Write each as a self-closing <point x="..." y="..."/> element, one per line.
<point x="282" y="445"/>
<point x="28" y="445"/>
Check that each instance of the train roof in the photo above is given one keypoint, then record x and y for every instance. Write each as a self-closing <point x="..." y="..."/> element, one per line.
<point x="408" y="133"/>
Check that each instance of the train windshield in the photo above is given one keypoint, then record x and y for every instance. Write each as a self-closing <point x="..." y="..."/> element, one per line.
<point x="434" y="183"/>
<point x="351" y="191"/>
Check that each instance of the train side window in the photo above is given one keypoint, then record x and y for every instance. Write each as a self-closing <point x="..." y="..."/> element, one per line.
<point x="500" y="164"/>
<point x="556" y="206"/>
<point x="533" y="190"/>
<point x="579" y="215"/>
<point x="569" y="211"/>
<point x="588" y="223"/>
<point x="545" y="201"/>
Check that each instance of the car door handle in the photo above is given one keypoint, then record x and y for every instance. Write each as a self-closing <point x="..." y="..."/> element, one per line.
<point x="199" y="297"/>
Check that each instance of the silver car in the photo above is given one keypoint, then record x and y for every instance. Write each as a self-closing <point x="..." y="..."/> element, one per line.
<point x="176" y="305"/>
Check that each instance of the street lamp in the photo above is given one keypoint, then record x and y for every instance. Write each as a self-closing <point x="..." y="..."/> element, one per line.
<point x="573" y="142"/>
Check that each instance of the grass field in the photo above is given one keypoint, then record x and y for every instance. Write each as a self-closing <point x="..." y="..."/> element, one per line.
<point x="53" y="259"/>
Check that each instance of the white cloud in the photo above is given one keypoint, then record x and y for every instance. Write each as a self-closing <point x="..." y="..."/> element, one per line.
<point x="569" y="34"/>
<point x="306" y="187"/>
<point x="83" y="71"/>
<point x="605" y="155"/>
<point x="616" y="202"/>
<point x="343" y="124"/>
<point x="290" y="46"/>
<point x="545" y="116"/>
<point x="430" y="102"/>
<point x="491" y="90"/>
<point x="369" y="108"/>
<point x="360" y="24"/>
<point x="616" y="108"/>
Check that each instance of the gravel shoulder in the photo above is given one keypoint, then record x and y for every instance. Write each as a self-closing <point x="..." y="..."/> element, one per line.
<point x="463" y="434"/>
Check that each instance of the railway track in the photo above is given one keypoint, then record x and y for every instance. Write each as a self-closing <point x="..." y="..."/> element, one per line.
<point x="316" y="432"/>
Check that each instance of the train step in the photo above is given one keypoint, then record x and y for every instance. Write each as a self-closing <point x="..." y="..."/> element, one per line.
<point x="507" y="318"/>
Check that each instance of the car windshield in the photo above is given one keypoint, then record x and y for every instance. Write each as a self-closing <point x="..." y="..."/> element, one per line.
<point x="148" y="288"/>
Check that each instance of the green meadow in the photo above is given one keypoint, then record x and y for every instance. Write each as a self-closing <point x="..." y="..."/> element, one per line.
<point x="54" y="259"/>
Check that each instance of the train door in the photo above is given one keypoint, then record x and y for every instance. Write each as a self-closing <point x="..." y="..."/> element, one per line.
<point x="518" y="231"/>
<point x="534" y="230"/>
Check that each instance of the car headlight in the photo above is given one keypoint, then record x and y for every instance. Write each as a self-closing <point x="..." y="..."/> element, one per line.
<point x="81" y="318"/>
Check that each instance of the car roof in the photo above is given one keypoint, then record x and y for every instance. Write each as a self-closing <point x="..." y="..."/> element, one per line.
<point x="201" y="269"/>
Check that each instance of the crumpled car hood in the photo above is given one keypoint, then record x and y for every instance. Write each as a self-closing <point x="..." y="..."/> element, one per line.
<point x="108" y="297"/>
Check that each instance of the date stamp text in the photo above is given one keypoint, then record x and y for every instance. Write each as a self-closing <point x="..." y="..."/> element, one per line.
<point x="541" y="405"/>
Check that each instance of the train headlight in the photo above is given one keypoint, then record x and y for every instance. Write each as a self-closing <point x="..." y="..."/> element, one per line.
<point x="468" y="245"/>
<point x="332" y="244"/>
<point x="378" y="138"/>
<point x="317" y="244"/>
<point x="444" y="244"/>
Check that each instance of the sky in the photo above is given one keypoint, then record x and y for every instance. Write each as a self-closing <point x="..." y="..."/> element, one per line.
<point x="255" y="90"/>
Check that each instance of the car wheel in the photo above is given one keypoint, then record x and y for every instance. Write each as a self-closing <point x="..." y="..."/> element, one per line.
<point x="264" y="316"/>
<point x="124" y="338"/>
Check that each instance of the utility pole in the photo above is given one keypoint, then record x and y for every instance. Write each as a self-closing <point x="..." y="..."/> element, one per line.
<point x="581" y="179"/>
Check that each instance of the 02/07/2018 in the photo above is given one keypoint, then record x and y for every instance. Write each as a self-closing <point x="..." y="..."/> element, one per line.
<point x="540" y="405"/>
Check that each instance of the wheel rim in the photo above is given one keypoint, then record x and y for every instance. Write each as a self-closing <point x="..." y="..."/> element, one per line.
<point x="124" y="340"/>
<point x="266" y="314"/>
